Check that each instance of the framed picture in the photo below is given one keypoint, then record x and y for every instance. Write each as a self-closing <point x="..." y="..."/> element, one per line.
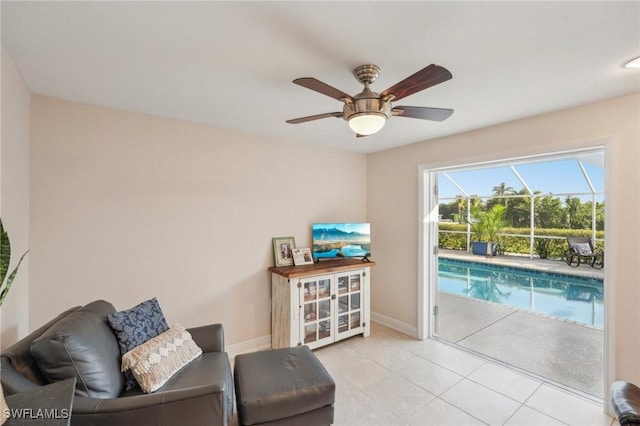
<point x="283" y="250"/>
<point x="302" y="256"/>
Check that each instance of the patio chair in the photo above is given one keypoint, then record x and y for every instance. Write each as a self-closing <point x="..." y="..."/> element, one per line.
<point x="582" y="248"/>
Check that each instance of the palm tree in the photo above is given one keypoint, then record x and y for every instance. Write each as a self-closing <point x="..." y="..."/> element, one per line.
<point x="518" y="210"/>
<point x="502" y="190"/>
<point x="462" y="206"/>
<point x="476" y="202"/>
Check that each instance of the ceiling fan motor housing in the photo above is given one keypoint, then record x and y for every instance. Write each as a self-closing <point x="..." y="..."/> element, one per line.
<point x="366" y="102"/>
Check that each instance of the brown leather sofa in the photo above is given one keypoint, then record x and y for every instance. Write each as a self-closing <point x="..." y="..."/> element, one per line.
<point x="201" y="393"/>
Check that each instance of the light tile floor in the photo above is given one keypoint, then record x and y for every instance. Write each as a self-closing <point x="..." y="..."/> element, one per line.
<point x="392" y="379"/>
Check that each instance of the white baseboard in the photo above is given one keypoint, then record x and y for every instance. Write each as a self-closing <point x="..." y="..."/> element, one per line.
<point x="400" y="326"/>
<point x="253" y="345"/>
<point x="264" y="342"/>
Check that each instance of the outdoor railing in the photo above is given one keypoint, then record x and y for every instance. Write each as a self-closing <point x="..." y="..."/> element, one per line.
<point x="549" y="244"/>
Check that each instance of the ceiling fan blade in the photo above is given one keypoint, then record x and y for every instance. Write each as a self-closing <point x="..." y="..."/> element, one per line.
<point x="423" y="113"/>
<point x="314" y="117"/>
<point x="423" y="79"/>
<point x="320" y="87"/>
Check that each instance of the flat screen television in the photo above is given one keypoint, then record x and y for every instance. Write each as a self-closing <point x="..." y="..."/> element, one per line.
<point x="337" y="240"/>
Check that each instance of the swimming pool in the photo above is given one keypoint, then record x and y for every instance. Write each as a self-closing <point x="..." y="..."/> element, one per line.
<point x="560" y="295"/>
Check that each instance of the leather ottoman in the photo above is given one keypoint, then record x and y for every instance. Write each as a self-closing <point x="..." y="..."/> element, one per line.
<point x="286" y="386"/>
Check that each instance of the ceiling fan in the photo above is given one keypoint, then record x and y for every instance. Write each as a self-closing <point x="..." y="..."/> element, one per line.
<point x="368" y="111"/>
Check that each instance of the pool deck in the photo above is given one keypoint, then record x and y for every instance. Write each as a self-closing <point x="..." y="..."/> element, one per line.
<point x="559" y="351"/>
<point x="558" y="266"/>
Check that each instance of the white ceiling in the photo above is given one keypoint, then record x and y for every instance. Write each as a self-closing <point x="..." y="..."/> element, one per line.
<point x="230" y="64"/>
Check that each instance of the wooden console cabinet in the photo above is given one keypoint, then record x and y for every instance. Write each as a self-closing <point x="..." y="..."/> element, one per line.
<point x="318" y="304"/>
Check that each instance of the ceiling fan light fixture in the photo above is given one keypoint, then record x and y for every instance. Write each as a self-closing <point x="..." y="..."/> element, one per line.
<point x="633" y="63"/>
<point x="367" y="123"/>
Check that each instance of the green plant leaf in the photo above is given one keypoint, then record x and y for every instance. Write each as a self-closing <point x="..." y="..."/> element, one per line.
<point x="5" y="253"/>
<point x="7" y="286"/>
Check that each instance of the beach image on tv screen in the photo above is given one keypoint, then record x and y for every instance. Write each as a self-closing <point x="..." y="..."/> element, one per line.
<point x="331" y="240"/>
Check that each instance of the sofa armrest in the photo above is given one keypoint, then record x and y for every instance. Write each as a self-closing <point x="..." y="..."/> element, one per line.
<point x="12" y="380"/>
<point x="85" y="405"/>
<point x="210" y="338"/>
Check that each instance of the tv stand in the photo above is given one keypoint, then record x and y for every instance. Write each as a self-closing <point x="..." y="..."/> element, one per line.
<point x="321" y="303"/>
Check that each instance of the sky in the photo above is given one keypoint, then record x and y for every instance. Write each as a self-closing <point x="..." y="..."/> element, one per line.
<point x="554" y="177"/>
<point x="362" y="228"/>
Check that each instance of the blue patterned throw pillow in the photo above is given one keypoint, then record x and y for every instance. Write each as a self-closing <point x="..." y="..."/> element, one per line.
<point x="135" y="326"/>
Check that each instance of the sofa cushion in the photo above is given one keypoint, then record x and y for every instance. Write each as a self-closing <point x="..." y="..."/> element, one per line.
<point x="81" y="345"/>
<point x="135" y="326"/>
<point x="155" y="361"/>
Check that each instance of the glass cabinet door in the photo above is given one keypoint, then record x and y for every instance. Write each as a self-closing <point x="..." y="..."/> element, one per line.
<point x="317" y="312"/>
<point x="349" y="306"/>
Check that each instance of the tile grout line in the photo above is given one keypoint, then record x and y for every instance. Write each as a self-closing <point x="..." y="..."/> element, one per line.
<point x="524" y="404"/>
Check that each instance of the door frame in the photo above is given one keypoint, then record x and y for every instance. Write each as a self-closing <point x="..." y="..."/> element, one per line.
<point x="428" y="241"/>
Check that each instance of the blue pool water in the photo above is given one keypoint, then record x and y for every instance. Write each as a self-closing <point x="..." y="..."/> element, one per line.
<point x="565" y="296"/>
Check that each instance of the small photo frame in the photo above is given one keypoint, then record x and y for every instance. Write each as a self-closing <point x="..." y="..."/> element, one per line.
<point x="283" y="250"/>
<point x="302" y="256"/>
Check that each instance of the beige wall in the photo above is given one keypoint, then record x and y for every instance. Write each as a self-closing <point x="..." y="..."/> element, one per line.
<point x="126" y="207"/>
<point x="392" y="203"/>
<point x="14" y="194"/>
